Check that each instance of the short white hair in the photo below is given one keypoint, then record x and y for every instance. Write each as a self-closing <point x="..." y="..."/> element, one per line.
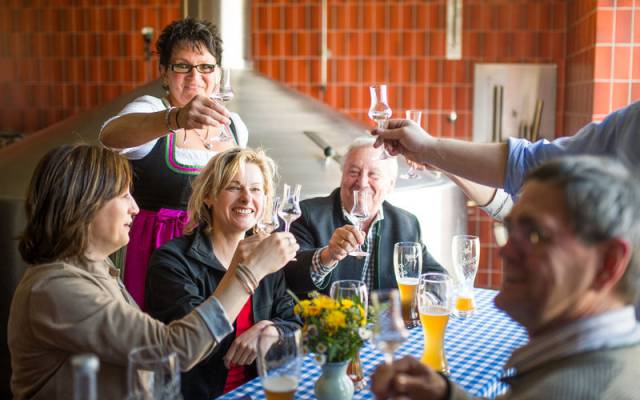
<point x="368" y="141"/>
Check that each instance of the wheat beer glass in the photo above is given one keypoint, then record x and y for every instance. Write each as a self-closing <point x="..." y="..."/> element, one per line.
<point x="153" y="374"/>
<point x="353" y="290"/>
<point x="407" y="264"/>
<point x="434" y="304"/>
<point x="465" y="251"/>
<point x="279" y="363"/>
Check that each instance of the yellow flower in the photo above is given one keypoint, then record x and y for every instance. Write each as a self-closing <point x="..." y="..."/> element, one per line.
<point x="325" y="302"/>
<point x="346" y="303"/>
<point x="302" y="308"/>
<point x="336" y="319"/>
<point x="312" y="310"/>
<point x="363" y="316"/>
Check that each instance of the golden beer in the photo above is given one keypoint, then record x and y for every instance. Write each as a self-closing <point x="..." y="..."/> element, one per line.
<point x="434" y="323"/>
<point x="465" y="305"/>
<point x="408" y="288"/>
<point x="280" y="387"/>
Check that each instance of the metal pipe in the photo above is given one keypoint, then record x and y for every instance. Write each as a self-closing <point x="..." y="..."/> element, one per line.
<point x="324" y="51"/>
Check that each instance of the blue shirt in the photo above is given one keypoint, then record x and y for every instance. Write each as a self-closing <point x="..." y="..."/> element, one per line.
<point x="618" y="136"/>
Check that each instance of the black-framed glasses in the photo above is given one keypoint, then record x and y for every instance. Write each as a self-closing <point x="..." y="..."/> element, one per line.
<point x="182" y="68"/>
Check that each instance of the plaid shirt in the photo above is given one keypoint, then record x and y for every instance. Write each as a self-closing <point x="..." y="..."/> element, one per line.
<point x="319" y="271"/>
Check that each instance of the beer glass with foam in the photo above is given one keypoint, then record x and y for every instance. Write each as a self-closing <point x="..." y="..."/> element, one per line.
<point x="465" y="252"/>
<point x="279" y="362"/>
<point x="407" y="264"/>
<point x="435" y="292"/>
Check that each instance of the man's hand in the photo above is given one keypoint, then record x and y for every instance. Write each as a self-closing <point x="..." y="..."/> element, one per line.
<point x="402" y="136"/>
<point x="407" y="378"/>
<point x="343" y="240"/>
<point x="243" y="349"/>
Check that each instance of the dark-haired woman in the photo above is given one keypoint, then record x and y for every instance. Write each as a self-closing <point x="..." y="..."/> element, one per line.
<point x="170" y="139"/>
<point x="70" y="299"/>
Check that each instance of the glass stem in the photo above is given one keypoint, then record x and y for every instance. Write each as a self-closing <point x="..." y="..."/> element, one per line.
<point x="388" y="358"/>
<point x="286" y="226"/>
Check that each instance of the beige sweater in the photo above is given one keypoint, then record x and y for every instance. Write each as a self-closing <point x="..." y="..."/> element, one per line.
<point x="602" y="374"/>
<point x="59" y="310"/>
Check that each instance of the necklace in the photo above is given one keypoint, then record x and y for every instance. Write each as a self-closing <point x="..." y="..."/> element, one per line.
<point x="205" y="140"/>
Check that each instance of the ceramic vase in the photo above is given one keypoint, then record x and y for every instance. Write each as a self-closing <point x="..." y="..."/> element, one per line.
<point x="334" y="383"/>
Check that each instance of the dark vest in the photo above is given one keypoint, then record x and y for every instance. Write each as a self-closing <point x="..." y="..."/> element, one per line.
<point x="159" y="181"/>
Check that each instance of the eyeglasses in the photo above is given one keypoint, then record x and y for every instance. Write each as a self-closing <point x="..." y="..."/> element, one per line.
<point x="186" y="68"/>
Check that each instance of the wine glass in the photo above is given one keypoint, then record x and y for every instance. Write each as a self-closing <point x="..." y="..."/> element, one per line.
<point x="268" y="223"/>
<point x="279" y="362"/>
<point x="465" y="251"/>
<point x="389" y="331"/>
<point x="353" y="289"/>
<point x="153" y="374"/>
<point x="379" y="111"/>
<point x="290" y="209"/>
<point x="415" y="116"/>
<point x="435" y="292"/>
<point x="407" y="265"/>
<point x="223" y="92"/>
<point x="359" y="213"/>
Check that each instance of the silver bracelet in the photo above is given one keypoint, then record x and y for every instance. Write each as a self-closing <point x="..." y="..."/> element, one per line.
<point x="167" y="113"/>
<point x="245" y="281"/>
<point x="247" y="271"/>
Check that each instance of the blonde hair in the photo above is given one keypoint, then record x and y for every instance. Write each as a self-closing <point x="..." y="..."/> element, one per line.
<point x="217" y="174"/>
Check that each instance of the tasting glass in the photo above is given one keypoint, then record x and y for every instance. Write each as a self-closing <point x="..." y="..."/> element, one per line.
<point x="153" y="374"/>
<point x="388" y="331"/>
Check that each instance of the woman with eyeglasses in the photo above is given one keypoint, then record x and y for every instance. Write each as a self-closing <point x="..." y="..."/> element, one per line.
<point x="170" y="139"/>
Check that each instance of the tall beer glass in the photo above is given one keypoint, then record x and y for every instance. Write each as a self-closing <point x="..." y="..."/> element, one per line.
<point x="407" y="264"/>
<point x="434" y="303"/>
<point x="279" y="363"/>
<point x="353" y="290"/>
<point x="465" y="252"/>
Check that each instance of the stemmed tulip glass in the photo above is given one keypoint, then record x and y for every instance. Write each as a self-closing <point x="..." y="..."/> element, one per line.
<point x="223" y="92"/>
<point x="269" y="223"/>
<point x="153" y="373"/>
<point x="389" y="331"/>
<point x="352" y="289"/>
<point x="359" y="213"/>
<point x="379" y="110"/>
<point x="415" y="116"/>
<point x="290" y="209"/>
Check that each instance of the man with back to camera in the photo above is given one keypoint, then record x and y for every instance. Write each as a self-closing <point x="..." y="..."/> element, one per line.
<point x="326" y="233"/>
<point x="571" y="275"/>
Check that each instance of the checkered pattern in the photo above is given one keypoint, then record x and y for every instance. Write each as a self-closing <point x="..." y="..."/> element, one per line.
<point x="476" y="350"/>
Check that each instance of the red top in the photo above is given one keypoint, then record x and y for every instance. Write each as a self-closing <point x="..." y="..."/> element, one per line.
<point x="236" y="376"/>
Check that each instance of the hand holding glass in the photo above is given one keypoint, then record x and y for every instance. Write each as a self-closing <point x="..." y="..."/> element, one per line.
<point x="153" y="374"/>
<point x="415" y="116"/>
<point x="434" y="303"/>
<point x="352" y="289"/>
<point x="407" y="264"/>
<point x="279" y="361"/>
<point x="465" y="251"/>
<point x="223" y="92"/>
<point x="388" y="328"/>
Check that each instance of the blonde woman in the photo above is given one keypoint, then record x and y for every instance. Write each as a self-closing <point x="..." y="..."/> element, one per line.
<point x="70" y="299"/>
<point x="227" y="200"/>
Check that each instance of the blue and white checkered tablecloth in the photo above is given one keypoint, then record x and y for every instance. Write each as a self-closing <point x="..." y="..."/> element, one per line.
<point x="476" y="349"/>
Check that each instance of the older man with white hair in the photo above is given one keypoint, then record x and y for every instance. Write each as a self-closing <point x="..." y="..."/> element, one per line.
<point x="327" y="233"/>
<point x="571" y="275"/>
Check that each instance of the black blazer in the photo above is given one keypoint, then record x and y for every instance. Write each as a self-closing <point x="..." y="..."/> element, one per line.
<point x="182" y="274"/>
<point x="321" y="216"/>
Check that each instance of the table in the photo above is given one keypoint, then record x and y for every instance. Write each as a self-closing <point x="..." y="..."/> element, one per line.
<point x="476" y="349"/>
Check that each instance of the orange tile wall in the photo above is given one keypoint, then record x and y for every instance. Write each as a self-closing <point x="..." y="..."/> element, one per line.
<point x="58" y="57"/>
<point x="401" y="43"/>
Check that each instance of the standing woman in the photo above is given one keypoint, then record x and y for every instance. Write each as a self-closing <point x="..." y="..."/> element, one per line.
<point x="170" y="139"/>
<point x="227" y="201"/>
<point x="70" y="300"/>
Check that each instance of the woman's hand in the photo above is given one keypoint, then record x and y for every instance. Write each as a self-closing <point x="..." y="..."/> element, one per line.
<point x="243" y="349"/>
<point x="201" y="112"/>
<point x="246" y="247"/>
<point x="272" y="254"/>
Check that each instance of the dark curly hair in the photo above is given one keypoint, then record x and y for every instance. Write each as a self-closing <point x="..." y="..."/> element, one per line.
<point x="192" y="32"/>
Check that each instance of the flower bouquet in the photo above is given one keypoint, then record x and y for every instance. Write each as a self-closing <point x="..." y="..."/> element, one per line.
<point x="333" y="330"/>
